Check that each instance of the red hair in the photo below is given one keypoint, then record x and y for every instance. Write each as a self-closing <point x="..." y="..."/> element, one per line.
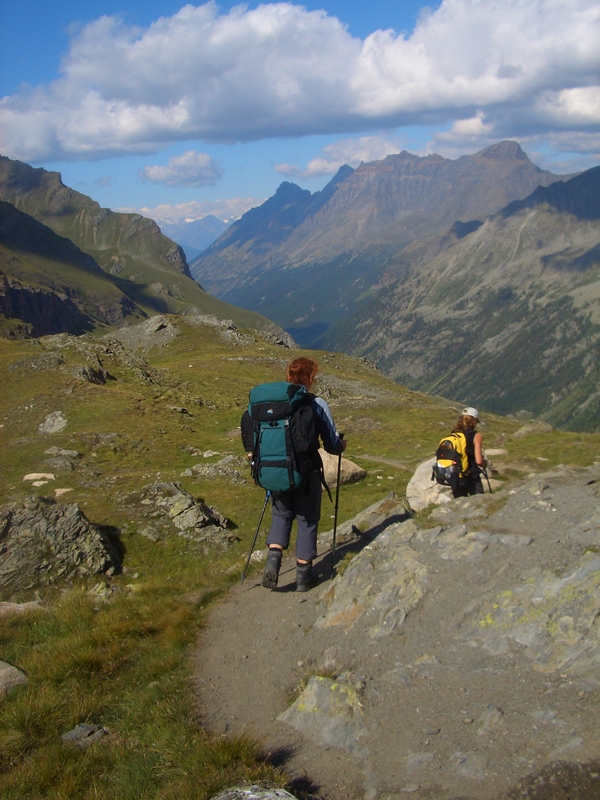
<point x="302" y="371"/>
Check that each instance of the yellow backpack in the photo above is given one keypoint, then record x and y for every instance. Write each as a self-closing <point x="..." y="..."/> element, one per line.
<point x="451" y="460"/>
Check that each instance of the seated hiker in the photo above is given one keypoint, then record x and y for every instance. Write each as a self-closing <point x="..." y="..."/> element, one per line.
<point x="467" y="423"/>
<point x="304" y="503"/>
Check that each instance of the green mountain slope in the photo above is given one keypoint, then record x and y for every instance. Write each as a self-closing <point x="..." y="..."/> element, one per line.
<point x="507" y="317"/>
<point x="144" y="269"/>
<point x="49" y="285"/>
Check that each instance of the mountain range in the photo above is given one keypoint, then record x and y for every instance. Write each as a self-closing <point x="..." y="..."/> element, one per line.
<point x="474" y="278"/>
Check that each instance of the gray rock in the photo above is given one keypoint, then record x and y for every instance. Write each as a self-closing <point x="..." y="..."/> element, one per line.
<point x="553" y="618"/>
<point x="8" y="609"/>
<point x="53" y="423"/>
<point x="84" y="734"/>
<point x="227" y="469"/>
<point x="421" y="491"/>
<point x="533" y="427"/>
<point x="42" y="541"/>
<point x="383" y="583"/>
<point x="329" y="711"/>
<point x="156" y="331"/>
<point x="168" y="508"/>
<point x="253" y="793"/>
<point x="349" y="471"/>
<point x="10" y="678"/>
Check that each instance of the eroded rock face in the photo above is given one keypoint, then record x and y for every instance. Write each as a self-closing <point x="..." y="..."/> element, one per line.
<point x="42" y="541"/>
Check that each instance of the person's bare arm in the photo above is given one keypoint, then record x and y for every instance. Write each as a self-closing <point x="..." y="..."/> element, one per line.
<point x="478" y="446"/>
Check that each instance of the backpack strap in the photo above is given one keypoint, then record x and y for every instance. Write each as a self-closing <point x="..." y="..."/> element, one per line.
<point x="321" y="469"/>
<point x="289" y="450"/>
<point x="470" y="437"/>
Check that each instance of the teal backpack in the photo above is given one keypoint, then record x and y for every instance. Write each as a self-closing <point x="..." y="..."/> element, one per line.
<point x="279" y="429"/>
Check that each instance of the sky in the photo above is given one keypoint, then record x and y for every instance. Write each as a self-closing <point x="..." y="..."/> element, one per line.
<point x="178" y="111"/>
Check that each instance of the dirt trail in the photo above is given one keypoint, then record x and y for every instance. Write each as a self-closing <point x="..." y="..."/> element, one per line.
<point x="444" y="719"/>
<point x="250" y="664"/>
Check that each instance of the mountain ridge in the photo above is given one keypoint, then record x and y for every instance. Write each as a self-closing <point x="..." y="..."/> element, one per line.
<point x="381" y="203"/>
<point x="509" y="313"/>
<point x="138" y="271"/>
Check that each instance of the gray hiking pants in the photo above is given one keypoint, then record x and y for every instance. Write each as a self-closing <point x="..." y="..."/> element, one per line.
<point x="303" y="505"/>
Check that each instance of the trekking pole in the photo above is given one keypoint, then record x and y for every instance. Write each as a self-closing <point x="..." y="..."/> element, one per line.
<point x="484" y="470"/>
<point x="335" y="513"/>
<point x="262" y="513"/>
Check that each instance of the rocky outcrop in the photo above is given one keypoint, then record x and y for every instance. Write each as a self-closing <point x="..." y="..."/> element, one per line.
<point x="452" y="655"/>
<point x="164" y="509"/>
<point x="229" y="469"/>
<point x="41" y="311"/>
<point x="43" y="542"/>
<point x="157" y="331"/>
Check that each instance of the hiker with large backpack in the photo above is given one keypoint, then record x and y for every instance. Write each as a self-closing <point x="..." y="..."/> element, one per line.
<point x="281" y="432"/>
<point x="459" y="457"/>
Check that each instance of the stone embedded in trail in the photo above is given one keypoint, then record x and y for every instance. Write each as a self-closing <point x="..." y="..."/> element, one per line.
<point x="329" y="711"/>
<point x="381" y="587"/>
<point x="555" y="618"/>
<point x="43" y="541"/>
<point x="384" y="582"/>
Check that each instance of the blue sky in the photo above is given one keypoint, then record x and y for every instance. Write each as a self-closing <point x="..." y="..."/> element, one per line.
<point x="181" y="110"/>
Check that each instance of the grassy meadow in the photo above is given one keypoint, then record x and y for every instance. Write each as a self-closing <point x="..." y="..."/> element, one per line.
<point x="116" y="651"/>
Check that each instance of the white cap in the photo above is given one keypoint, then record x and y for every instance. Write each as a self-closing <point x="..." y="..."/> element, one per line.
<point x="470" y="412"/>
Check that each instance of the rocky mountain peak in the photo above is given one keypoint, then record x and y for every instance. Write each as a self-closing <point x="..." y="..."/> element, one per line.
<point x="502" y="151"/>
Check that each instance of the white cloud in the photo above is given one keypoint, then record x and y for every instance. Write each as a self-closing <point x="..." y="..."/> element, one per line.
<point x="346" y="151"/>
<point x="189" y="169"/>
<point x="519" y="67"/>
<point x="232" y="208"/>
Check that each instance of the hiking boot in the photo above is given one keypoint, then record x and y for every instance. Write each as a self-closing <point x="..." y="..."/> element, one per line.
<point x="305" y="579"/>
<point x="273" y="565"/>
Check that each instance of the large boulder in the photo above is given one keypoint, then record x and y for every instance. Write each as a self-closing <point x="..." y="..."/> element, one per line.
<point x="349" y="472"/>
<point x="421" y="491"/>
<point x="42" y="541"/>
